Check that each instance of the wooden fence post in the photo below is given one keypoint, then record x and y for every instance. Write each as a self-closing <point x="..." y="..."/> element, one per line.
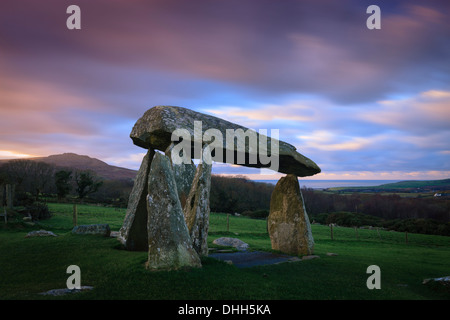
<point x="9" y="196"/>
<point x="379" y="235"/>
<point x="75" y="214"/>
<point x="331" y="231"/>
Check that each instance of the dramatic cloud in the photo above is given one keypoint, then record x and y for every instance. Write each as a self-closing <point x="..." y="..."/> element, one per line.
<point x="426" y="113"/>
<point x="356" y="101"/>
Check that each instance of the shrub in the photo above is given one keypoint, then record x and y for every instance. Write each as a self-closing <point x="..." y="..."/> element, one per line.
<point x="256" y="214"/>
<point x="24" y="199"/>
<point x="347" y="219"/>
<point x="424" y="226"/>
<point x="319" y="218"/>
<point x="39" y="211"/>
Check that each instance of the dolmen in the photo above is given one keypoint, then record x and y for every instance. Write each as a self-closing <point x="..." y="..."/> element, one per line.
<point x="168" y="209"/>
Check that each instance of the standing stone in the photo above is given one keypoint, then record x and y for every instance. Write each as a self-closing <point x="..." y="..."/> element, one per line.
<point x="288" y="223"/>
<point x="196" y="210"/>
<point x="169" y="244"/>
<point x="184" y="175"/>
<point x="133" y="233"/>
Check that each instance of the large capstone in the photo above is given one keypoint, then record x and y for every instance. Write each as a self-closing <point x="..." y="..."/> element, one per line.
<point x="288" y="223"/>
<point x="161" y="125"/>
<point x="169" y="244"/>
<point x="133" y="233"/>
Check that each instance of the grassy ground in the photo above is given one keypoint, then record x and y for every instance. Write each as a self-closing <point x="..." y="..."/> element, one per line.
<point x="29" y="266"/>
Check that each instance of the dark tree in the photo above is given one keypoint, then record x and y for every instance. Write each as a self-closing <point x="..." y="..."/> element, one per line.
<point x="29" y="176"/>
<point x="41" y="177"/>
<point x="86" y="183"/>
<point x="62" y="183"/>
<point x="3" y="182"/>
<point x="16" y="171"/>
<point x="238" y="194"/>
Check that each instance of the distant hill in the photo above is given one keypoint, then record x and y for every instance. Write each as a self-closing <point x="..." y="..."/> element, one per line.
<point x="403" y="186"/>
<point x="82" y="162"/>
<point x="416" y="184"/>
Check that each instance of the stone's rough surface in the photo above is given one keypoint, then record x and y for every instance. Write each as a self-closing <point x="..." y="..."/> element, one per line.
<point x="184" y="175"/>
<point x="114" y="234"/>
<point x="133" y="233"/>
<point x="288" y="223"/>
<point x="441" y="280"/>
<point x="310" y="257"/>
<point x="101" y="229"/>
<point x="196" y="210"/>
<point x="248" y="259"/>
<point x="169" y="244"/>
<point x="61" y="292"/>
<point x="40" y="233"/>
<point x="154" y="130"/>
<point x="231" y="242"/>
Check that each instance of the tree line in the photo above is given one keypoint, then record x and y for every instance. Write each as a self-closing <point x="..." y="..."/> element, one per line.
<point x="36" y="178"/>
<point x="390" y="211"/>
<point x="239" y="195"/>
<point x="385" y="206"/>
<point x="31" y="180"/>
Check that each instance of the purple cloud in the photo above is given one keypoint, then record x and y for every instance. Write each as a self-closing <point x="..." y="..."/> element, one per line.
<point x="309" y="68"/>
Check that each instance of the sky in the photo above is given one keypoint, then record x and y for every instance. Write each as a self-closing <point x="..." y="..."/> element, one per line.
<point x="361" y="103"/>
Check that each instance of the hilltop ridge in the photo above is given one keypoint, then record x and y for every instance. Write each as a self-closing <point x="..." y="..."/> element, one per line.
<point x="84" y="162"/>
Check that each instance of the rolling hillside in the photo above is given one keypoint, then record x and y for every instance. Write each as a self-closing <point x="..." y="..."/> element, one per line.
<point x="416" y="184"/>
<point x="82" y="162"/>
<point x="402" y="186"/>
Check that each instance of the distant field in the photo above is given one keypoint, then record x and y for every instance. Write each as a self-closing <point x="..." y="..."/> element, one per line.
<point x="86" y="214"/>
<point x="416" y="184"/>
<point x="409" y="184"/>
<point x="32" y="265"/>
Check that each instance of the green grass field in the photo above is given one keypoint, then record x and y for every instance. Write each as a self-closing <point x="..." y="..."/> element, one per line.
<point x="29" y="266"/>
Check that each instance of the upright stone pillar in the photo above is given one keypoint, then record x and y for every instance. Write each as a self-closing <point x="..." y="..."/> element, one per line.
<point x="288" y="223"/>
<point x="184" y="175"/>
<point x="196" y="210"/>
<point x="169" y="243"/>
<point x="133" y="233"/>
